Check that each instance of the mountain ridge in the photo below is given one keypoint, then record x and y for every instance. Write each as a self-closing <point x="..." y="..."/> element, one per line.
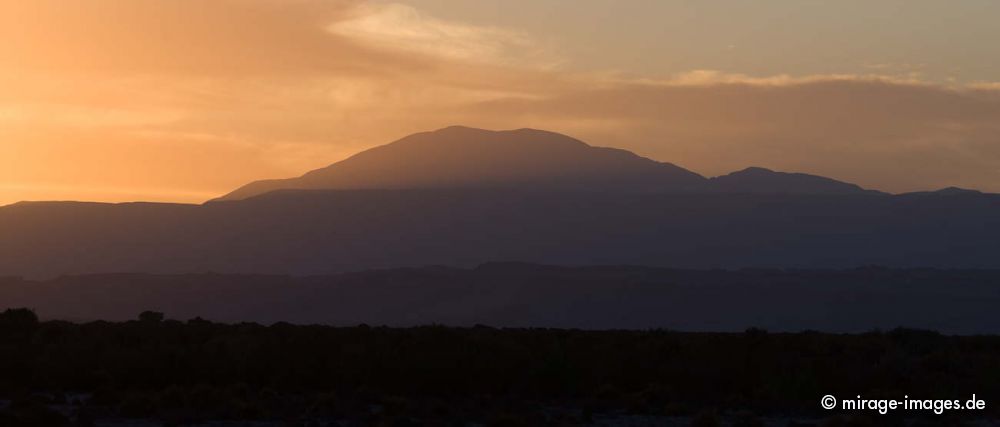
<point x="465" y="157"/>
<point x="307" y="232"/>
<point x="551" y="199"/>
<point x="756" y="179"/>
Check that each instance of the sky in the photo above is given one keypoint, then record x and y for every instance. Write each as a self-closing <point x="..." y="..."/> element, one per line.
<point x="185" y="100"/>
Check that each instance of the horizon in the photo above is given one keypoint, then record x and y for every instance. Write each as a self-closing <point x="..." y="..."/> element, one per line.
<point x="181" y="101"/>
<point x="216" y="197"/>
<point x="499" y="212"/>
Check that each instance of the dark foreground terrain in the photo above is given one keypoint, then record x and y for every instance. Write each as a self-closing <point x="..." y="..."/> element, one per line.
<point x="526" y="295"/>
<point x="195" y="371"/>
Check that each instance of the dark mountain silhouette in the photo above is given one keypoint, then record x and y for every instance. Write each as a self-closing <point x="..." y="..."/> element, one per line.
<point x="523" y="295"/>
<point x="949" y="191"/>
<point x="461" y="197"/>
<point x="317" y="232"/>
<point x="462" y="157"/>
<point x="761" y="180"/>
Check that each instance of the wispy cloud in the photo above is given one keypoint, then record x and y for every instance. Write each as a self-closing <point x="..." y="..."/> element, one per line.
<point x="398" y="26"/>
<point x="716" y="77"/>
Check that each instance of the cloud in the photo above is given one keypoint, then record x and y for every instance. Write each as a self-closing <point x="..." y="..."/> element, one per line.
<point x="985" y="85"/>
<point x="192" y="38"/>
<point x="880" y="132"/>
<point x="399" y="26"/>
<point x="716" y="77"/>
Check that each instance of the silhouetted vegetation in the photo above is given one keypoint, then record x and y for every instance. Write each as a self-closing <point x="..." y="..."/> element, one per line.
<point x="55" y="372"/>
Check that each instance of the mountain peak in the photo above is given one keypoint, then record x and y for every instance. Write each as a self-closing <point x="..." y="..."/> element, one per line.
<point x="947" y="191"/>
<point x="756" y="170"/>
<point x="465" y="157"/>
<point x="957" y="190"/>
<point x="757" y="179"/>
<point x="462" y="157"/>
<point x="474" y="130"/>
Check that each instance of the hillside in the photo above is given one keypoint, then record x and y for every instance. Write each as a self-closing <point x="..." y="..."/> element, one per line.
<point x="465" y="158"/>
<point x="320" y="232"/>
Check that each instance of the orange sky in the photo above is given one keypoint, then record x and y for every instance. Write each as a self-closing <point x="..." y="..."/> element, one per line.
<point x="183" y="100"/>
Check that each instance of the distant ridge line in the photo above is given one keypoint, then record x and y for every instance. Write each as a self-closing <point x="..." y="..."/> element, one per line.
<point x="465" y="157"/>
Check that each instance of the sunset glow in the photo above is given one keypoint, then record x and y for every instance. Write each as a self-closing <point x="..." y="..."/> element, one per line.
<point x="184" y="100"/>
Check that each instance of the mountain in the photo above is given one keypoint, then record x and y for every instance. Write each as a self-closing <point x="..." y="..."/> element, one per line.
<point x="948" y="191"/>
<point x="304" y="232"/>
<point x="461" y="197"/>
<point x="761" y="180"/>
<point x="460" y="157"/>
